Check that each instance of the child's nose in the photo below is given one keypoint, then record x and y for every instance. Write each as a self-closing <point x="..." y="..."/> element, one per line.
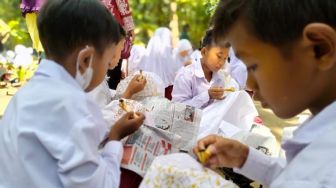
<point x="251" y="83"/>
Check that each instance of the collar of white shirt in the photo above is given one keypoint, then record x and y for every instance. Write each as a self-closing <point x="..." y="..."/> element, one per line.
<point x="313" y="128"/>
<point x="52" y="69"/>
<point x="200" y="73"/>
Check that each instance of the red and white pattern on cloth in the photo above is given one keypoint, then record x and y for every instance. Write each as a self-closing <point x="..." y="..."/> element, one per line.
<point x="122" y="13"/>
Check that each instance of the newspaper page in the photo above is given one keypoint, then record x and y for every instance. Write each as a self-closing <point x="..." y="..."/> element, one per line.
<point x="186" y="124"/>
<point x="144" y="145"/>
<point x="176" y="118"/>
<point x="168" y="128"/>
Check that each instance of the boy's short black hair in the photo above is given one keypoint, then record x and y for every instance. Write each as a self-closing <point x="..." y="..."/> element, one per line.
<point x="122" y="31"/>
<point x="208" y="39"/>
<point x="278" y="22"/>
<point x="65" y="25"/>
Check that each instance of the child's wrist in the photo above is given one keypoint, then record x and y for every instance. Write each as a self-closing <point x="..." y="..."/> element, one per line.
<point x="243" y="156"/>
<point x="114" y="136"/>
<point x="127" y="95"/>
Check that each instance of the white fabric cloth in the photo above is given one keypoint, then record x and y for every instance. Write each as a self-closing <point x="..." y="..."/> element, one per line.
<point x="191" y="86"/>
<point x="154" y="86"/>
<point x="49" y="136"/>
<point x="237" y="109"/>
<point x="310" y="156"/>
<point x="259" y="137"/>
<point x="238" y="70"/>
<point x="181" y="170"/>
<point x="137" y="54"/>
<point x="159" y="56"/>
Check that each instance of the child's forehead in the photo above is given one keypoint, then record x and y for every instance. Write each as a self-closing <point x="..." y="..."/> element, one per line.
<point x="219" y="49"/>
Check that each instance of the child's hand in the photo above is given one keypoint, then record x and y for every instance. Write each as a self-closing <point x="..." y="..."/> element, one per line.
<point x="187" y="63"/>
<point x="223" y="152"/>
<point x="216" y="93"/>
<point x="136" y="85"/>
<point x="126" y="125"/>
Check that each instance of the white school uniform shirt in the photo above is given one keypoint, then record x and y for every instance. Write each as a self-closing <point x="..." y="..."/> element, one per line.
<point x="310" y="157"/>
<point x="49" y="136"/>
<point x="191" y="87"/>
<point x="238" y="70"/>
<point x="102" y="95"/>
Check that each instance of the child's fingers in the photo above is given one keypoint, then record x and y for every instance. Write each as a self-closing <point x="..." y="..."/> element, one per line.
<point x="195" y="150"/>
<point x="212" y="161"/>
<point x="138" y="77"/>
<point x="217" y="89"/>
<point x="129" y="115"/>
<point x="221" y="98"/>
<point x="205" y="142"/>
<point x="140" y="116"/>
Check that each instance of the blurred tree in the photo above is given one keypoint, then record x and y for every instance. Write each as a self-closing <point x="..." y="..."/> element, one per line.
<point x="148" y="15"/>
<point x="151" y="14"/>
<point x="13" y="28"/>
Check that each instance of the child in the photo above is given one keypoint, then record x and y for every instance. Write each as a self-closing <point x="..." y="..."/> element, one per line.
<point x="51" y="130"/>
<point x="159" y="58"/>
<point x="182" y="53"/>
<point x="291" y="62"/>
<point x="200" y="83"/>
<point x="137" y="54"/>
<point x="102" y="94"/>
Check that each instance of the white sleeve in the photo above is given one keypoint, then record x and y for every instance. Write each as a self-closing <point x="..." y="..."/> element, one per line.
<point x="261" y="167"/>
<point x="81" y="165"/>
<point x="182" y="91"/>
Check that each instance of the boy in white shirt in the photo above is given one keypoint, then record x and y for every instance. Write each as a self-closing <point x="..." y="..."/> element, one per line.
<point x="289" y="48"/>
<point x="200" y="83"/>
<point x="103" y="95"/>
<point x="51" y="130"/>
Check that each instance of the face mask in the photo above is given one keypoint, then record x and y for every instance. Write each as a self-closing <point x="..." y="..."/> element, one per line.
<point x="84" y="79"/>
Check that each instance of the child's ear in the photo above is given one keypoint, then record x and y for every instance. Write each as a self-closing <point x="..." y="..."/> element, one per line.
<point x="85" y="57"/>
<point x="322" y="37"/>
<point x="204" y="51"/>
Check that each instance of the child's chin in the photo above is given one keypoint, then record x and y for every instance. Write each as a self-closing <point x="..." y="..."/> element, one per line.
<point x="284" y="114"/>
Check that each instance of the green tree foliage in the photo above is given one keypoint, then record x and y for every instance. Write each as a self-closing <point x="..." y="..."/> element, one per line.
<point x="148" y="15"/>
<point x="13" y="28"/>
<point x="151" y="14"/>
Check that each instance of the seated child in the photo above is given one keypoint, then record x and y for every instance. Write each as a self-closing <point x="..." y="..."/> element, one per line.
<point x="135" y="59"/>
<point x="182" y="54"/>
<point x="200" y="83"/>
<point x="291" y="61"/>
<point x="103" y="95"/>
<point x="51" y="131"/>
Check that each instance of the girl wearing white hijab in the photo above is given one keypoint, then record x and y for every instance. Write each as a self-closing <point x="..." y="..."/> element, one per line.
<point x="137" y="54"/>
<point x="159" y="58"/>
<point x="182" y="53"/>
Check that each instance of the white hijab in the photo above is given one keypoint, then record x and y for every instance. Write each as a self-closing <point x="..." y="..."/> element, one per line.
<point x="159" y="56"/>
<point x="183" y="45"/>
<point x="137" y="54"/>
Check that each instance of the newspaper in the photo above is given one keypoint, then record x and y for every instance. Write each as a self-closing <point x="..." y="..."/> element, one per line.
<point x="176" y="118"/>
<point x="169" y="128"/>
<point x="144" y="145"/>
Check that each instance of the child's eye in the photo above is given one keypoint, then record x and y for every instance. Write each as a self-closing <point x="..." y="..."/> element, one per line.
<point x="252" y="67"/>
